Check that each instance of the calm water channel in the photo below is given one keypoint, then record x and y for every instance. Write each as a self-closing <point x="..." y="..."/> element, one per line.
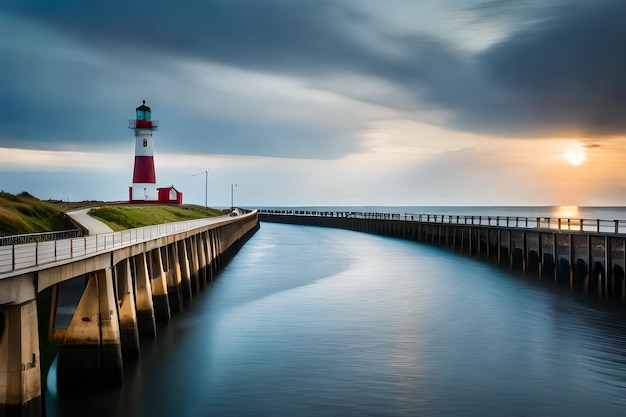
<point x="320" y="322"/>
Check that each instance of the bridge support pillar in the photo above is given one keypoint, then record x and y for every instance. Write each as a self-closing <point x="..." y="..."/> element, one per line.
<point x="202" y="264"/>
<point x="143" y="290"/>
<point x="194" y="264"/>
<point x="185" y="271"/>
<point x="91" y="352"/>
<point x="129" y="334"/>
<point x="210" y="258"/>
<point x="158" y="282"/>
<point x="20" y="372"/>
<point x="218" y="250"/>
<point x="174" y="279"/>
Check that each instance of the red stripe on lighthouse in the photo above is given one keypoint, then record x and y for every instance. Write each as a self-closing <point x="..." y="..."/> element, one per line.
<point x="144" y="170"/>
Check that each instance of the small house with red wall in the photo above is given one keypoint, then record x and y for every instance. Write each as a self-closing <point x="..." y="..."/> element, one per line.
<point x="170" y="195"/>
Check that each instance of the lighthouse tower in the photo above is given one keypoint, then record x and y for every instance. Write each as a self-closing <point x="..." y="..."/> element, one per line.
<point x="144" y="187"/>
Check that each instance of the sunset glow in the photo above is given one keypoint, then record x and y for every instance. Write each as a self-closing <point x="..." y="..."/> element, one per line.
<point x="410" y="104"/>
<point x="576" y="156"/>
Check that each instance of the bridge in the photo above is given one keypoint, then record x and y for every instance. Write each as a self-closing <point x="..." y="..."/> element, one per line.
<point x="116" y="287"/>
<point x="587" y="254"/>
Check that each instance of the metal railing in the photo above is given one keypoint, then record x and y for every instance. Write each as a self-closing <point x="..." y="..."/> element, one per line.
<point x="28" y="255"/>
<point x="549" y="223"/>
<point x="39" y="237"/>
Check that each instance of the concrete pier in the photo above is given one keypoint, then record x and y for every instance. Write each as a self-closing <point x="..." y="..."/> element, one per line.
<point x="174" y="278"/>
<point x="91" y="353"/>
<point x="132" y="280"/>
<point x="586" y="255"/>
<point x="20" y="373"/>
<point x="194" y="264"/>
<point x="182" y="265"/>
<point x="129" y="333"/>
<point x="144" y="296"/>
<point x="158" y="278"/>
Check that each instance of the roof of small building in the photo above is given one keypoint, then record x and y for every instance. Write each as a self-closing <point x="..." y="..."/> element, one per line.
<point x="171" y="187"/>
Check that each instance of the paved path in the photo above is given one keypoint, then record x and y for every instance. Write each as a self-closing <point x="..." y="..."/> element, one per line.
<point x="93" y="226"/>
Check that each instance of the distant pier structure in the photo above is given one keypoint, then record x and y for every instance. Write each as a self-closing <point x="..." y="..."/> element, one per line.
<point x="144" y="188"/>
<point x="587" y="254"/>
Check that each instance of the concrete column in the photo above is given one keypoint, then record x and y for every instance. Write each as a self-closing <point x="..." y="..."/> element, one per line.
<point x="185" y="271"/>
<point x="541" y="256"/>
<point x="20" y="372"/>
<point x="499" y="246"/>
<point x="589" y="264"/>
<point x="202" y="264"/>
<point x="110" y="347"/>
<point x="91" y="352"/>
<point x="129" y="334"/>
<point x="218" y="249"/>
<point x="454" y="237"/>
<point x="174" y="279"/>
<point x="555" y="248"/>
<point x="571" y="258"/>
<point x="208" y="256"/>
<point x="524" y="253"/>
<point x="510" y="249"/>
<point x="143" y="297"/>
<point x="159" y="287"/>
<point x="194" y="263"/>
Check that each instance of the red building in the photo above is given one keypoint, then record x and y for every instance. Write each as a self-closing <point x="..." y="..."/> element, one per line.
<point x="170" y="195"/>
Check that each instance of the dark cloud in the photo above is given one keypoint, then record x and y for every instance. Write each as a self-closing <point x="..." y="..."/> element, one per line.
<point x="46" y="102"/>
<point x="563" y="74"/>
<point x="278" y="34"/>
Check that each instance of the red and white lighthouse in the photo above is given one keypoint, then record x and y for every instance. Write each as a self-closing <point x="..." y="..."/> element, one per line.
<point x="144" y="187"/>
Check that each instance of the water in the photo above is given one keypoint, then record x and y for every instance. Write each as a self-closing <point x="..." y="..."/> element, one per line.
<point x="316" y="322"/>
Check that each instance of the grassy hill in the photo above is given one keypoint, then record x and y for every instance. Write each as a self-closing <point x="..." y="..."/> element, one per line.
<point x="24" y="213"/>
<point x="131" y="216"/>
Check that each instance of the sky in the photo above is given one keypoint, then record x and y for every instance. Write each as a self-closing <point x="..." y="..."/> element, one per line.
<point x="319" y="102"/>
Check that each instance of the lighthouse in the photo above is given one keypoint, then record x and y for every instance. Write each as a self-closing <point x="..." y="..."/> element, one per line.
<point x="144" y="187"/>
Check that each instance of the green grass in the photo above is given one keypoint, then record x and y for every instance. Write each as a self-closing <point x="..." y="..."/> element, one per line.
<point x="131" y="216"/>
<point x="24" y="213"/>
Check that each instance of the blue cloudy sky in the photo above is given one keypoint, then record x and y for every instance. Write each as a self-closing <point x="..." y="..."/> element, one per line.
<point x="319" y="102"/>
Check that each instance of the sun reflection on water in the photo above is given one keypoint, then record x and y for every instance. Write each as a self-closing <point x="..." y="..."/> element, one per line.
<point x="566" y="212"/>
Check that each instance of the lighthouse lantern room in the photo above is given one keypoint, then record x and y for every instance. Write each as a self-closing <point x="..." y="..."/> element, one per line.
<point x="144" y="187"/>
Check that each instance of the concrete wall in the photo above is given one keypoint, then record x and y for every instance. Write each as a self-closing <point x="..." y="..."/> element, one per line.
<point x="593" y="262"/>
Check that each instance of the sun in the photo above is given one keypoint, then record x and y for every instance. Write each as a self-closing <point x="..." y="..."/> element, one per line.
<point x="576" y="155"/>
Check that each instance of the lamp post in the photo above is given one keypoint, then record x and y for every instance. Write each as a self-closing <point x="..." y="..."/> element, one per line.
<point x="232" y="206"/>
<point x="206" y="184"/>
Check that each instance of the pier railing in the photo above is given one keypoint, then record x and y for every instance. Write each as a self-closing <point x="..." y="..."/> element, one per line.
<point x="546" y="223"/>
<point x="39" y="237"/>
<point x="26" y="255"/>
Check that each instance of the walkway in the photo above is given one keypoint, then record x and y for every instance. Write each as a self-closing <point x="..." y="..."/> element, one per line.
<point x="93" y="226"/>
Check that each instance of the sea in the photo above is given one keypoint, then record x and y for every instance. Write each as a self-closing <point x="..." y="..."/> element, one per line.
<point x="310" y="321"/>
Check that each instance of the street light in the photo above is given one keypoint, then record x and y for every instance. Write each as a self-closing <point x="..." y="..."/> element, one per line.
<point x="206" y="184"/>
<point x="232" y="206"/>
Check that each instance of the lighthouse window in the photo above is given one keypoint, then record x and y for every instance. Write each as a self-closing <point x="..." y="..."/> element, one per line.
<point x="145" y="143"/>
<point x="140" y="115"/>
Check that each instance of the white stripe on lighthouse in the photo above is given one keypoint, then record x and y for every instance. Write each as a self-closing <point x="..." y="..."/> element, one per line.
<point x="143" y="143"/>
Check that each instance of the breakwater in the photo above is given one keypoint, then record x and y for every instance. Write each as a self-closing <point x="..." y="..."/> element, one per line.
<point x="103" y="292"/>
<point x="587" y="254"/>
